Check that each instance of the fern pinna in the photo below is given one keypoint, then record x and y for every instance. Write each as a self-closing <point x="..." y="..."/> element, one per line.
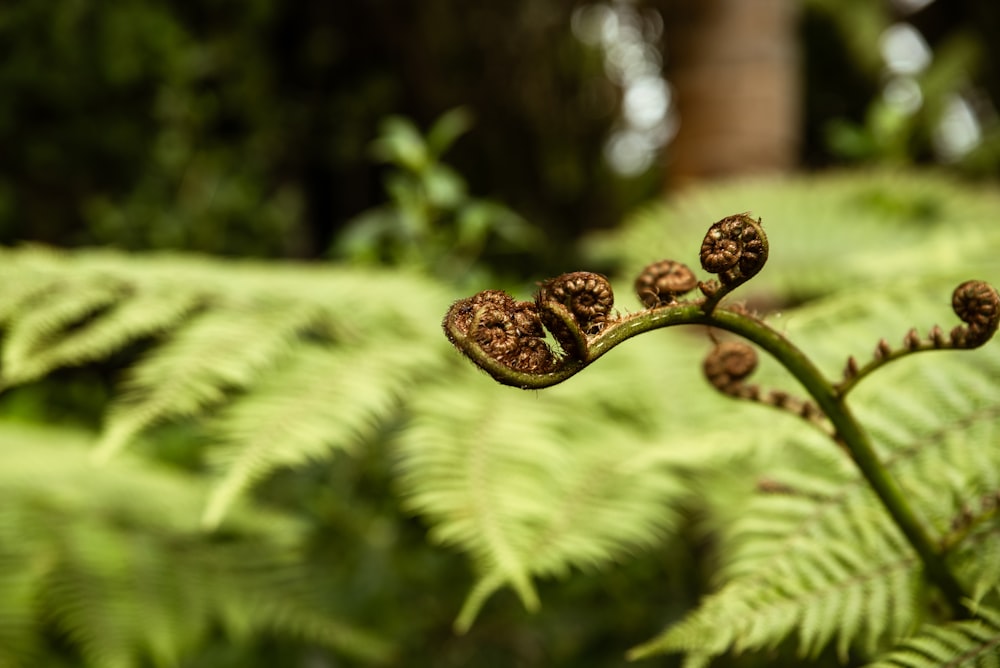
<point x="863" y="559"/>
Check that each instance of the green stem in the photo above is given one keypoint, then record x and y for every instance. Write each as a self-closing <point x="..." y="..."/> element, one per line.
<point x="848" y="384"/>
<point x="857" y="442"/>
<point x="829" y="399"/>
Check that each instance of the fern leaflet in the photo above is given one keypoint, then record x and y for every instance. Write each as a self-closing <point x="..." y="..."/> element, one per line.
<point x="972" y="643"/>
<point x="530" y="486"/>
<point x="324" y="399"/>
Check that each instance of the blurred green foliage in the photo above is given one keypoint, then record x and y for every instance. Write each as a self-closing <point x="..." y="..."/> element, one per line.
<point x="242" y="128"/>
<point x="143" y="125"/>
<point x="860" y="111"/>
<point x="431" y="223"/>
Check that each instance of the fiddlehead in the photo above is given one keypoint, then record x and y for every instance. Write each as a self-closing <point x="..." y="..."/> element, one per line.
<point x="506" y="338"/>
<point x="661" y="283"/>
<point x="573" y="306"/>
<point x="735" y="249"/>
<point x="502" y="336"/>
<point x="728" y="366"/>
<point x="976" y="303"/>
<point x="503" y="329"/>
<point x="587" y="296"/>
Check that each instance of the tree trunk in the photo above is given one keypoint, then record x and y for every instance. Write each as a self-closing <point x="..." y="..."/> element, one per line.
<point x="734" y="68"/>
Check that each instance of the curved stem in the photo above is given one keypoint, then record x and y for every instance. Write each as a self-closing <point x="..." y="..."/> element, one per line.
<point x="857" y="442"/>
<point x="848" y="384"/>
<point x="827" y="396"/>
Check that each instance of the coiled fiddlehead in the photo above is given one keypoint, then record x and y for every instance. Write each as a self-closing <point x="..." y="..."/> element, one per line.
<point x="661" y="283"/>
<point x="728" y="366"/>
<point x="976" y="303"/>
<point x="586" y="295"/>
<point x="573" y="306"/>
<point x="504" y="329"/>
<point x="735" y="249"/>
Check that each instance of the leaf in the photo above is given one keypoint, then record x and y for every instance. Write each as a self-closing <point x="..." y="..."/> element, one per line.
<point x="34" y="348"/>
<point x="812" y="552"/>
<point x="323" y="400"/>
<point x="59" y="310"/>
<point x="220" y="351"/>
<point x="530" y="485"/>
<point x="965" y="643"/>
<point x="447" y="129"/>
<point x="335" y="350"/>
<point x="112" y="559"/>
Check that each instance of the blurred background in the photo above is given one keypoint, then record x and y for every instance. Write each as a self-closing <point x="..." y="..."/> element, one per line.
<point x="247" y="128"/>
<point x="483" y="144"/>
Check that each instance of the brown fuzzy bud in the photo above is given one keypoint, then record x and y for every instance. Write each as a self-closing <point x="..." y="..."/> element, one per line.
<point x="587" y="296"/>
<point x="729" y="364"/>
<point x="735" y="248"/>
<point x="506" y="330"/>
<point x="495" y="331"/>
<point x="851" y="368"/>
<point x="462" y="312"/>
<point x="977" y="304"/>
<point x="662" y="282"/>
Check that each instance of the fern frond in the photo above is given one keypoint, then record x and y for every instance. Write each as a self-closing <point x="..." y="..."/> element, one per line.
<point x="54" y="313"/>
<point x="28" y="356"/>
<point x="972" y="643"/>
<point x="301" y="361"/>
<point x="811" y="552"/>
<point x="530" y="485"/>
<point x="112" y="558"/>
<point x="325" y="399"/>
<point x="821" y="567"/>
<point x="220" y="351"/>
<point x="20" y="576"/>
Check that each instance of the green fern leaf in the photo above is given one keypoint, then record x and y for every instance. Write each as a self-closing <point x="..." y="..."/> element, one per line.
<point x="531" y="485"/>
<point x="220" y="351"/>
<point x="112" y="559"/>
<point x="28" y="356"/>
<point x="972" y="643"/>
<point x="812" y="552"/>
<point x="831" y="585"/>
<point x="325" y="399"/>
<point x="57" y="311"/>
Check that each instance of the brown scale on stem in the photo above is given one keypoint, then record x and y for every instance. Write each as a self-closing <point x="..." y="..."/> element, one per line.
<point x="969" y="517"/>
